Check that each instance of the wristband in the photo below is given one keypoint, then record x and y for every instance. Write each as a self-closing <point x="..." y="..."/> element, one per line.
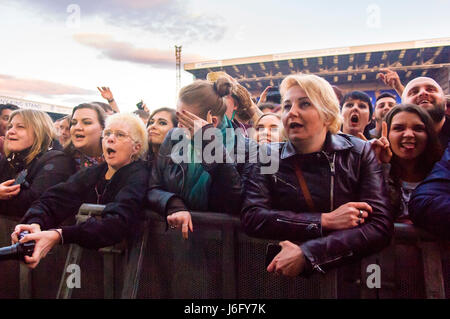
<point x="109" y="101"/>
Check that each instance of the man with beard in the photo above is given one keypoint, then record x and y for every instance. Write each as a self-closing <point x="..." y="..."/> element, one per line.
<point x="385" y="102"/>
<point x="427" y="93"/>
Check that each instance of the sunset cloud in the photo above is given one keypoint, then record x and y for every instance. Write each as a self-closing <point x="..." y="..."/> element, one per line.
<point x="19" y="87"/>
<point x="125" y="51"/>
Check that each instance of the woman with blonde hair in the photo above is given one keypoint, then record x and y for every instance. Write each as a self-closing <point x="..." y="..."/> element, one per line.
<point x="118" y="183"/>
<point x="328" y="193"/>
<point x="31" y="166"/>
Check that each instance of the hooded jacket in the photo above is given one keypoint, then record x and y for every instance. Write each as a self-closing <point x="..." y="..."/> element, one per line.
<point x="429" y="206"/>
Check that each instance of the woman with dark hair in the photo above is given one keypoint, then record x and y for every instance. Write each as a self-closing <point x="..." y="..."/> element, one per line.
<point x="31" y="166"/>
<point x="409" y="148"/>
<point x="356" y="109"/>
<point x="328" y="193"/>
<point x="160" y="122"/>
<point x="86" y="126"/>
<point x="194" y="183"/>
<point x="118" y="184"/>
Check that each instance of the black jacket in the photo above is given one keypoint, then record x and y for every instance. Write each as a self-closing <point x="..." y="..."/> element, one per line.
<point x="345" y="171"/>
<point x="123" y="197"/>
<point x="46" y="170"/>
<point x="429" y="206"/>
<point x="167" y="176"/>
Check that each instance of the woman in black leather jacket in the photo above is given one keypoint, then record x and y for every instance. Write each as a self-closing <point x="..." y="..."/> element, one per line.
<point x="328" y="193"/>
<point x="194" y="182"/>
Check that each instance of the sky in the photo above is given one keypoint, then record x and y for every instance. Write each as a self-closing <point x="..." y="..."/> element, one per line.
<point x="59" y="51"/>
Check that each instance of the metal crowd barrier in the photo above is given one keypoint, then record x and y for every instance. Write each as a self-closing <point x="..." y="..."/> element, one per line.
<point x="220" y="261"/>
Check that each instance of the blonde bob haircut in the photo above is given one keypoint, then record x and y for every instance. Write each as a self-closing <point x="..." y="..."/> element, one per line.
<point x="321" y="94"/>
<point x="137" y="130"/>
<point x="42" y="127"/>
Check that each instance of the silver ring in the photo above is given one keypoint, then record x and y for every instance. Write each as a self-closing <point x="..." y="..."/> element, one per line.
<point x="360" y="214"/>
<point x="172" y="227"/>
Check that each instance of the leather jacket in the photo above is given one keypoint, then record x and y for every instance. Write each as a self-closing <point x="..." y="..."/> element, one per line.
<point x="346" y="170"/>
<point x="168" y="177"/>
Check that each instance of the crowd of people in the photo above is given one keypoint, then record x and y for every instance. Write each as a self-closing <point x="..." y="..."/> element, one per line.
<point x="345" y="170"/>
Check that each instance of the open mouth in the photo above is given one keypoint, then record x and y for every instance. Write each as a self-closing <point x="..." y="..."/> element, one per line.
<point x="354" y="118"/>
<point x="295" y="125"/>
<point x="79" y="136"/>
<point x="110" y="151"/>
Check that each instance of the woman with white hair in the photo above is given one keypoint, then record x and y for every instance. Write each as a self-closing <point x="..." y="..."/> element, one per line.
<point x="31" y="165"/>
<point x="328" y="193"/>
<point x="118" y="183"/>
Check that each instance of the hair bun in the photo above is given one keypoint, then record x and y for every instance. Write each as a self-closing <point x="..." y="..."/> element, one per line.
<point x="223" y="86"/>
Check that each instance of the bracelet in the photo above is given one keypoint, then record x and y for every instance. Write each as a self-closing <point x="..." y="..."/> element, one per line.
<point x="109" y="101"/>
<point x="60" y="235"/>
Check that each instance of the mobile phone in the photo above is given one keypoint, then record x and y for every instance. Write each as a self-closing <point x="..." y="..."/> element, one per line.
<point x="21" y="177"/>
<point x="139" y="105"/>
<point x="271" y="251"/>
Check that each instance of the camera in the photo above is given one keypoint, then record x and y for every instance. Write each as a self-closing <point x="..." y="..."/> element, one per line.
<point x="18" y="251"/>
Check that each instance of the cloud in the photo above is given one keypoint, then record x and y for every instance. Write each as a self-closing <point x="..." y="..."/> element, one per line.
<point x="125" y="51"/>
<point x="12" y="86"/>
<point x="172" y="19"/>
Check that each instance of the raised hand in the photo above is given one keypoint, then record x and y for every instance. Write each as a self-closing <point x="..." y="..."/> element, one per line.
<point x="106" y="93"/>
<point x="263" y="96"/>
<point x="192" y="122"/>
<point x="391" y="79"/>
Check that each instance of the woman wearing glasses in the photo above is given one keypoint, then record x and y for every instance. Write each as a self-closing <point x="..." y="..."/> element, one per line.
<point x="117" y="183"/>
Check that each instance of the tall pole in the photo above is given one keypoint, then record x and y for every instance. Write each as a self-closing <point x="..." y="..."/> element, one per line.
<point x="178" y="68"/>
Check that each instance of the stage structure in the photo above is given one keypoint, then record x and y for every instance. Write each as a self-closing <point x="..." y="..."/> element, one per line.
<point x="55" y="111"/>
<point x="349" y="68"/>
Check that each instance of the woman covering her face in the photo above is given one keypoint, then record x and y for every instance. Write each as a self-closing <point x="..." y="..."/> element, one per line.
<point x="328" y="193"/>
<point x="117" y="183"/>
<point x="31" y="166"/>
<point x="86" y="126"/>
<point x="196" y="183"/>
